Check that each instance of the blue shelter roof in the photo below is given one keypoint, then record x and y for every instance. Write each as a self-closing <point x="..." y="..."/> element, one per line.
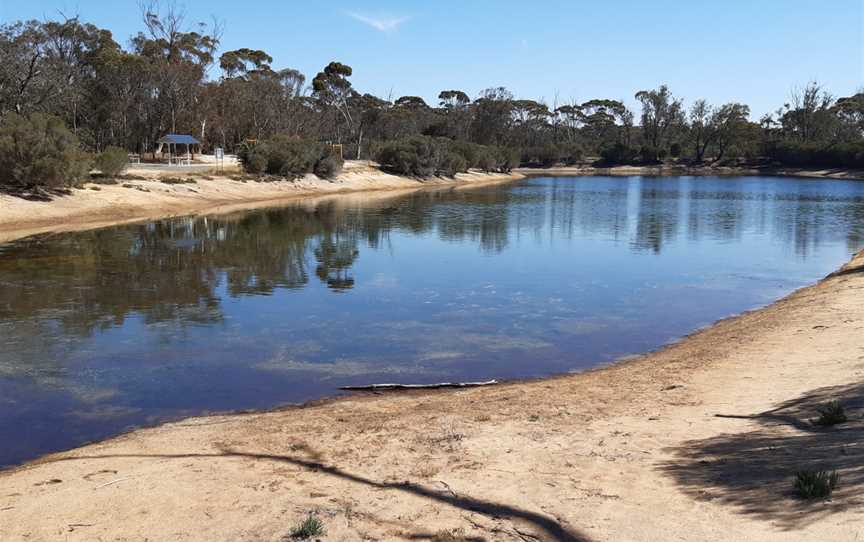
<point x="181" y="139"/>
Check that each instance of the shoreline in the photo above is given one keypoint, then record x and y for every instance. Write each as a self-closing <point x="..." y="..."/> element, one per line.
<point x="141" y="200"/>
<point x="696" y="171"/>
<point x="621" y="452"/>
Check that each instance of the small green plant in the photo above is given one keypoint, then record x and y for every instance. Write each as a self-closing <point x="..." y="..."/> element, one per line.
<point x="112" y="161"/>
<point x="454" y="535"/>
<point x="309" y="527"/>
<point x="815" y="484"/>
<point x="830" y="414"/>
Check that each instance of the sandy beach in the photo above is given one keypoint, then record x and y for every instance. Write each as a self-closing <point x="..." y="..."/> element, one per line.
<point x="698" y="441"/>
<point x="146" y="196"/>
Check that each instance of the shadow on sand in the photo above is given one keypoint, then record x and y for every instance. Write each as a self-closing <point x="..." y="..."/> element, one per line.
<point x="537" y="527"/>
<point x="754" y="470"/>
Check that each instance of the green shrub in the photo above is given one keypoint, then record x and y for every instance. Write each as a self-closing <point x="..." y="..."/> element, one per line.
<point x="570" y="153"/>
<point x="509" y="158"/>
<point x="618" y="153"/>
<point x="453" y="163"/>
<point x="328" y="167"/>
<point x="424" y="156"/>
<point x="112" y="161"/>
<point x="471" y="152"/>
<point x="815" y="155"/>
<point x="547" y="155"/>
<point x="39" y="151"/>
<point x="419" y="156"/>
<point x="830" y="414"/>
<point x="309" y="527"/>
<point x="254" y="162"/>
<point x="815" y="484"/>
<point x="488" y="160"/>
<point x="649" y="154"/>
<point x="288" y="157"/>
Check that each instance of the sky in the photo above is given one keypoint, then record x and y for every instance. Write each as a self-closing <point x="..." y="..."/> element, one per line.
<point x="751" y="51"/>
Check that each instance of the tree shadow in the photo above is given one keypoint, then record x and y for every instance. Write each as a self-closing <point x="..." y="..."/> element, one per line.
<point x="42" y="193"/>
<point x="753" y="471"/>
<point x="545" y="527"/>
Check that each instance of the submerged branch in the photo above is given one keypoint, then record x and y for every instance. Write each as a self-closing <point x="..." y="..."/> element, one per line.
<point x="385" y="387"/>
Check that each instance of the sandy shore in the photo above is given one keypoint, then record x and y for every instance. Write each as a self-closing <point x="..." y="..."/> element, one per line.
<point x="846" y="174"/>
<point x="94" y="206"/>
<point x="148" y="198"/>
<point x="698" y="441"/>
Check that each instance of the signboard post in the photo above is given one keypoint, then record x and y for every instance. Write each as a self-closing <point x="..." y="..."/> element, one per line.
<point x="220" y="159"/>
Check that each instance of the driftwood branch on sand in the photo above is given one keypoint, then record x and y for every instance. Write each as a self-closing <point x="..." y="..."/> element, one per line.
<point x="386" y="387"/>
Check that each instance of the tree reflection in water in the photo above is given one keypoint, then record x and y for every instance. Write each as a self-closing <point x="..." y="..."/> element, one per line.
<point x="448" y="283"/>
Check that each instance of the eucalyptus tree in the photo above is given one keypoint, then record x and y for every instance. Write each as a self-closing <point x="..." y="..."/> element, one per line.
<point x="850" y="111"/>
<point x="177" y="60"/>
<point x="809" y="115"/>
<point x="730" y="125"/>
<point x="702" y="130"/>
<point x="492" y="117"/>
<point x="662" y="113"/>
<point x="370" y="110"/>
<point x="455" y="106"/>
<point x="332" y="89"/>
<point x="25" y="83"/>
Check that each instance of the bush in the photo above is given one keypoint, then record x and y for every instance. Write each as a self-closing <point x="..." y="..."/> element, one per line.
<point x="329" y="167"/>
<point x="112" y="161"/>
<point x="547" y="155"/>
<point x="794" y="154"/>
<point x="831" y="414"/>
<point x="453" y="163"/>
<point x="509" y="158"/>
<point x="570" y="153"/>
<point x="288" y="157"/>
<point x="39" y="151"/>
<point x="649" y="155"/>
<point x="254" y="162"/>
<point x="309" y="527"/>
<point x="618" y="153"/>
<point x="471" y="152"/>
<point x="815" y="484"/>
<point x="423" y="156"/>
<point x="487" y="160"/>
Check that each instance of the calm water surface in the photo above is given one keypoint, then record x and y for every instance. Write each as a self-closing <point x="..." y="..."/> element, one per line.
<point x="108" y="329"/>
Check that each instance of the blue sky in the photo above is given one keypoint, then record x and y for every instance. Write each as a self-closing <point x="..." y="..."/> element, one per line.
<point x="754" y="51"/>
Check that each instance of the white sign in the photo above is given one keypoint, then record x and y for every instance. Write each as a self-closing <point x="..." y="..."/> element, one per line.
<point x="220" y="153"/>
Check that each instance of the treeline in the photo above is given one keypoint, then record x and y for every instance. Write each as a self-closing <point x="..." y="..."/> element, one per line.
<point x="170" y="79"/>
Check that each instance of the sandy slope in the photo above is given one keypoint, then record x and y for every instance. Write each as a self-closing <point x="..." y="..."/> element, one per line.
<point x="696" y="442"/>
<point x="135" y="200"/>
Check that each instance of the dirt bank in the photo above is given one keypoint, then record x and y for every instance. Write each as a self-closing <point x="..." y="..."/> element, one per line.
<point x="148" y="198"/>
<point x="696" y="442"/>
<point x="696" y="170"/>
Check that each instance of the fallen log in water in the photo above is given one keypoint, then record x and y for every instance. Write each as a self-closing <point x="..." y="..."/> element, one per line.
<point x="386" y="387"/>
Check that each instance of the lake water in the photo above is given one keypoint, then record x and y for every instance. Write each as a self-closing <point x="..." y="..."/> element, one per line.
<point x="113" y="328"/>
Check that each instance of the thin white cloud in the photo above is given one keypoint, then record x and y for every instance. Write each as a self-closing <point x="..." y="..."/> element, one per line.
<point x="384" y="24"/>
